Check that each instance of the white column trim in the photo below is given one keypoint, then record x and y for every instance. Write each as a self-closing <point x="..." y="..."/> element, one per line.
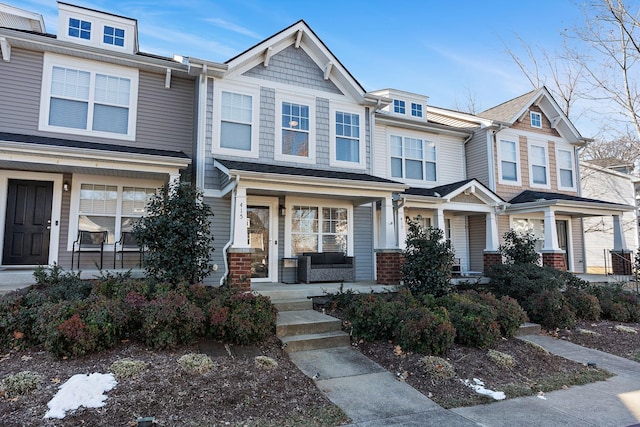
<point x="619" y="241"/>
<point x="491" y="238"/>
<point x="240" y="230"/>
<point x="550" y="231"/>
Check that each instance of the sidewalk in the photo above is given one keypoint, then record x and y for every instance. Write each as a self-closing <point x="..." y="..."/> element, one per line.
<point x="372" y="396"/>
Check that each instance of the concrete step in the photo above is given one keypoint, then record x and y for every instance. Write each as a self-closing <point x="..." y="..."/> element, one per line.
<point x="528" y="328"/>
<point x="293" y="304"/>
<point x="301" y="322"/>
<point x="315" y="341"/>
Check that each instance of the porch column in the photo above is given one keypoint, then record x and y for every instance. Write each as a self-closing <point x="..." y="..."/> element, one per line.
<point x="620" y="255"/>
<point x="550" y="232"/>
<point x="402" y="228"/>
<point x="619" y="243"/>
<point x="491" y="255"/>
<point x="387" y="234"/>
<point x="174" y="179"/>
<point x="240" y="233"/>
<point x="439" y="221"/>
<point x="239" y="254"/>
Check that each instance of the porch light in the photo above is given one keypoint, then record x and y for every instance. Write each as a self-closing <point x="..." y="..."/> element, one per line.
<point x="283" y="210"/>
<point x="65" y="186"/>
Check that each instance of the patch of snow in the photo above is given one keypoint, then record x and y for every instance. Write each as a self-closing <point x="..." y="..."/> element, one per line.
<point x="478" y="386"/>
<point x="80" y="390"/>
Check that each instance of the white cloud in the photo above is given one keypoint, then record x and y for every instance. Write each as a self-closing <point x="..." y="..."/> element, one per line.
<point x="177" y="42"/>
<point x="221" y="23"/>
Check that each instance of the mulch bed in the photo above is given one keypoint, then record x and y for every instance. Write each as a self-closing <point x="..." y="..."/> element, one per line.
<point x="603" y="335"/>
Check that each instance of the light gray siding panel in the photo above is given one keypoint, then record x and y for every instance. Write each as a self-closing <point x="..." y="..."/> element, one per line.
<point x="293" y="66"/>
<point x="221" y="225"/>
<point x="477" y="159"/>
<point x="322" y="132"/>
<point x="267" y="123"/>
<point x="64" y="256"/>
<point x="20" y="86"/>
<point x="577" y="246"/>
<point x="363" y="242"/>
<point x="211" y="180"/>
<point x="477" y="233"/>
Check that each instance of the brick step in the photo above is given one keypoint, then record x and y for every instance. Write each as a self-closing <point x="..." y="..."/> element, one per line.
<point x="315" y="341"/>
<point x="528" y="328"/>
<point x="293" y="304"/>
<point x="302" y="322"/>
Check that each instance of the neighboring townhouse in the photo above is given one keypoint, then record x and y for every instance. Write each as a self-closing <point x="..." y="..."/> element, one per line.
<point x="89" y="128"/>
<point x="613" y="185"/>
<point x="526" y="151"/>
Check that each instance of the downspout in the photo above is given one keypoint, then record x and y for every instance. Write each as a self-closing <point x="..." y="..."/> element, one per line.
<point x="231" y="228"/>
<point x="491" y="153"/>
<point x="579" y="187"/>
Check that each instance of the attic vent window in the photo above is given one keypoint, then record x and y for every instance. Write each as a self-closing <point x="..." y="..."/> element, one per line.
<point x="80" y="29"/>
<point x="398" y="106"/>
<point x="416" y="109"/>
<point x="113" y="36"/>
<point x="536" y="120"/>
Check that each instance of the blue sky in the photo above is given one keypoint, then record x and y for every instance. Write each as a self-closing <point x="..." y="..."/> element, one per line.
<point x="446" y="50"/>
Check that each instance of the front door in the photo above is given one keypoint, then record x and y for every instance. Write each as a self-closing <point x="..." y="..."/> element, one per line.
<point x="263" y="234"/>
<point x="561" y="229"/>
<point x="28" y="222"/>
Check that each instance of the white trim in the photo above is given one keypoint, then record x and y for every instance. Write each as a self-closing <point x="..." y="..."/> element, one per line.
<point x="515" y="140"/>
<point x="50" y="60"/>
<point x="302" y="100"/>
<point x="56" y="206"/>
<point x="426" y="140"/>
<point x="362" y="140"/>
<point x="569" y="149"/>
<point x="272" y="203"/>
<point x="545" y="146"/>
<point x="254" y="93"/>
<point x="74" y="205"/>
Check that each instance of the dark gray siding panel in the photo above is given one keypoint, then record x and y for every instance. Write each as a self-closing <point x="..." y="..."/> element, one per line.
<point x="64" y="256"/>
<point x="477" y="233"/>
<point x="477" y="158"/>
<point x="20" y="85"/>
<point x="363" y="242"/>
<point x="220" y="229"/>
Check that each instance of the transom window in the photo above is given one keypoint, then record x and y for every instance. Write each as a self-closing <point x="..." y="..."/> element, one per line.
<point x="508" y="161"/>
<point x="399" y="106"/>
<point x="80" y="29"/>
<point x="538" y="159"/>
<point x="416" y="109"/>
<point x="347" y="137"/>
<point x="413" y="158"/>
<point x="295" y="129"/>
<point x="236" y="121"/>
<point x="536" y="120"/>
<point x="565" y="169"/>
<point x="113" y="36"/>
<point x="319" y="229"/>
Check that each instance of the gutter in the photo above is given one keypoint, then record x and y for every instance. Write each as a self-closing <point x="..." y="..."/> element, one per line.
<point x="232" y="224"/>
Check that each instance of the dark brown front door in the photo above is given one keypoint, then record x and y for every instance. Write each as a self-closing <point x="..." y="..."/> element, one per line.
<point x="563" y="239"/>
<point x="28" y="222"/>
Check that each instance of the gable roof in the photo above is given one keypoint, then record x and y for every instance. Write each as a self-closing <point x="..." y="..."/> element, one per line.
<point x="508" y="111"/>
<point x="531" y="196"/>
<point x="448" y="191"/>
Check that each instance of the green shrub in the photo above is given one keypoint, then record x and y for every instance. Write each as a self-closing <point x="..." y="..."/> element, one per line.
<point x="475" y="322"/>
<point x="425" y="331"/>
<point x="375" y="316"/>
<point x="59" y="285"/>
<point x="550" y="309"/>
<point x="107" y="319"/>
<point x="519" y="248"/>
<point x="617" y="304"/>
<point x="585" y="305"/>
<point x="251" y="318"/>
<point x="510" y="314"/>
<point x="170" y="320"/>
<point x="428" y="259"/>
<point x="119" y="285"/>
<point x="23" y="382"/>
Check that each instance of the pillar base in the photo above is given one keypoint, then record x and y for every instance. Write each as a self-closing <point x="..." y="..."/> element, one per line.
<point x="239" y="260"/>
<point x="621" y="263"/>
<point x="554" y="260"/>
<point x="491" y="258"/>
<point x="389" y="266"/>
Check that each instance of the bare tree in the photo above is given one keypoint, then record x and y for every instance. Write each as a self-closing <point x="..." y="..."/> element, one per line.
<point x="622" y="152"/>
<point x="471" y="103"/>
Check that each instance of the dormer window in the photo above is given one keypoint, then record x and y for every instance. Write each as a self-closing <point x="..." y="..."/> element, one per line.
<point x="416" y="110"/>
<point x="398" y="106"/>
<point x="113" y="36"/>
<point x="536" y="120"/>
<point x="80" y="29"/>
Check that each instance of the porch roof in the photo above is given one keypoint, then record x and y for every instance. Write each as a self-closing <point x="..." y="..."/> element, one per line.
<point x="448" y="191"/>
<point x="530" y="200"/>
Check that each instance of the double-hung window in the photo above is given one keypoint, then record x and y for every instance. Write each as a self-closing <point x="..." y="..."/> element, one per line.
<point x="295" y="132"/>
<point x="566" y="173"/>
<point x="539" y="166"/>
<point x="88" y="98"/>
<point x="347" y="137"/>
<point x="236" y="121"/>
<point x="319" y="229"/>
<point x="413" y="158"/>
<point x="508" y="161"/>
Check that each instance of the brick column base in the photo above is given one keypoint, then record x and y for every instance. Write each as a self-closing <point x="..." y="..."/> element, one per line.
<point x="388" y="266"/>
<point x="490" y="259"/>
<point x="554" y="260"/>
<point x="239" y="268"/>
<point x="621" y="262"/>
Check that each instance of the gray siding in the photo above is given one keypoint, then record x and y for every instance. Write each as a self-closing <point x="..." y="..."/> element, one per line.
<point x="577" y="246"/>
<point x="267" y="123"/>
<point x="221" y="225"/>
<point x="363" y="242"/>
<point x="477" y="159"/>
<point x="64" y="256"/>
<point x="293" y="66"/>
<point x="477" y="238"/>
<point x="20" y="85"/>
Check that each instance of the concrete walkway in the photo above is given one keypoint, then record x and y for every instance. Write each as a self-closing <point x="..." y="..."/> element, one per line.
<point x="373" y="397"/>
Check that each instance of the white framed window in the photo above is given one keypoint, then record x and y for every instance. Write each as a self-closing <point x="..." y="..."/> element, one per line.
<point x="347" y="148"/>
<point x="534" y="226"/>
<point x="88" y="98"/>
<point x="235" y="126"/>
<point x="536" y="119"/>
<point x="508" y="162"/>
<point x="112" y="205"/>
<point x="295" y="131"/>
<point x="319" y="227"/>
<point x="413" y="158"/>
<point x="416" y="110"/>
<point x="399" y="106"/>
<point x="79" y="28"/>
<point x="538" y="165"/>
<point x="566" y="169"/>
<point x="113" y="36"/>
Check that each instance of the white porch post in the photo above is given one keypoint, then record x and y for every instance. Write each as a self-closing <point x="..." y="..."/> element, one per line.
<point x="439" y="221"/>
<point x="402" y="228"/>
<point x="174" y="179"/>
<point x="550" y="232"/>
<point x="387" y="234"/>
<point x="619" y="242"/>
<point x="491" y="234"/>
<point x="240" y="236"/>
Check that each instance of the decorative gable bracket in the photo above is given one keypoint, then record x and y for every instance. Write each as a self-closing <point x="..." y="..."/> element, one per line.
<point x="298" y="38"/>
<point x="6" y="49"/>
<point x="554" y="121"/>
<point x="268" y="52"/>
<point x="327" y="70"/>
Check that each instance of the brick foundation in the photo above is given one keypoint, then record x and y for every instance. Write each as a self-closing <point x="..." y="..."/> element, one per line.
<point x="490" y="259"/>
<point x="239" y="269"/>
<point x="621" y="262"/>
<point x="554" y="260"/>
<point x="388" y="265"/>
